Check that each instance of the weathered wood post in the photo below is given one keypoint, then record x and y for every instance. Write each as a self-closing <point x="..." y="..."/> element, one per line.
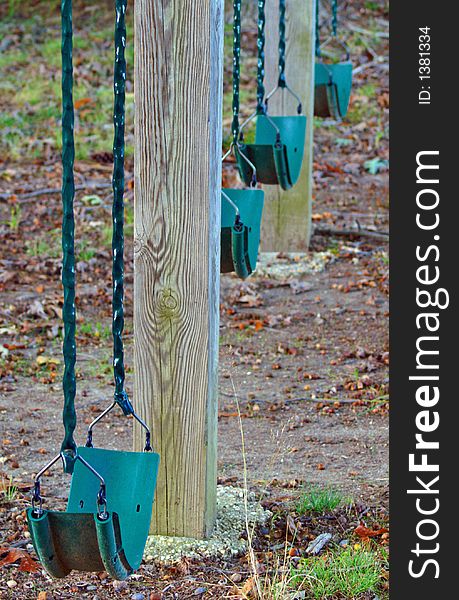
<point x="287" y="215"/>
<point x="178" y="100"/>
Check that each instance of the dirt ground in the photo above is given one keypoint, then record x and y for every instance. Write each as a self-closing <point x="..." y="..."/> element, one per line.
<point x="309" y="370"/>
<point x="303" y="344"/>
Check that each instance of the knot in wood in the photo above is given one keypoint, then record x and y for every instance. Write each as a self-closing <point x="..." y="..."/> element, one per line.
<point x="168" y="304"/>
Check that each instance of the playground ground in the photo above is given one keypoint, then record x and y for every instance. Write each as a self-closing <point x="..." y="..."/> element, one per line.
<point x="303" y="344"/>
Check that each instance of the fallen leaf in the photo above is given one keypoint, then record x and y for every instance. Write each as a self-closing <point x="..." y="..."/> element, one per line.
<point x="36" y="310"/>
<point x="82" y="102"/>
<point x="316" y="545"/>
<point x="250" y="300"/>
<point x="375" y="165"/>
<point x="366" y="533"/>
<point x="9" y="556"/>
<point x="299" y="287"/>
<point x="291" y="525"/>
<point x="47" y="360"/>
<point x="383" y="100"/>
<point x="248" y="587"/>
<point x="199" y="591"/>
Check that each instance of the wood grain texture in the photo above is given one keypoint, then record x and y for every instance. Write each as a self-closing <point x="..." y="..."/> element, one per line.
<point x="286" y="223"/>
<point x="178" y="99"/>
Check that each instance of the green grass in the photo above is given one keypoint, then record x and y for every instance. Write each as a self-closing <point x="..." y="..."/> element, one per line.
<point x="368" y="90"/>
<point x="31" y="88"/>
<point x="334" y="248"/>
<point x="13" y="5"/>
<point x="348" y="573"/>
<point x="49" y="246"/>
<point x="100" y="368"/>
<point x="84" y="251"/>
<point x="15" y="217"/>
<point x="13" y="58"/>
<point x="95" y="330"/>
<point x="30" y="85"/>
<point x="50" y="50"/>
<point x="106" y="234"/>
<point x="365" y="104"/>
<point x="36" y="92"/>
<point x="372" y="6"/>
<point x="39" y="248"/>
<point x="46" y="246"/>
<point x="9" y="491"/>
<point x="319" y="500"/>
<point x="129" y="220"/>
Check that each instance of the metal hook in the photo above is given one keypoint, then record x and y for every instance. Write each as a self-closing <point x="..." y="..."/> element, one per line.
<point x="289" y="89"/>
<point x="255" y="114"/>
<point x="253" y="183"/>
<point x="89" y="443"/>
<point x="225" y="156"/>
<point x="246" y="122"/>
<point x="36" y="497"/>
<point x="228" y="199"/>
<point x="343" y="45"/>
<point x="271" y="122"/>
<point x="94" y="422"/>
<point x="147" y="447"/>
<point x="102" y="493"/>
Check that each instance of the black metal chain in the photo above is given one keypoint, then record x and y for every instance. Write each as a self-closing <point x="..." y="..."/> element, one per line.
<point x="261" y="107"/>
<point x="236" y="67"/>
<point x="121" y="396"/>
<point x="282" y="82"/>
<point x="68" y="447"/>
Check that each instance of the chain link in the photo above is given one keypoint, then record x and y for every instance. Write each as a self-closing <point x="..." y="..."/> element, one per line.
<point x="236" y="67"/>
<point x="261" y="108"/>
<point x="282" y="80"/>
<point x="68" y="447"/>
<point x="118" y="207"/>
<point x="334" y="23"/>
<point x="318" y="52"/>
<point x="334" y="17"/>
<point x="68" y="234"/>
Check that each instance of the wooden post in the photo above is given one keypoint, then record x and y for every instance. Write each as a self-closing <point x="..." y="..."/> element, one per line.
<point x="287" y="215"/>
<point x="178" y="100"/>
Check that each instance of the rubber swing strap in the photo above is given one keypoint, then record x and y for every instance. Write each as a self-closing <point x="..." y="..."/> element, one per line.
<point x="261" y="106"/>
<point x="121" y="397"/>
<point x="68" y="447"/>
<point x="236" y="68"/>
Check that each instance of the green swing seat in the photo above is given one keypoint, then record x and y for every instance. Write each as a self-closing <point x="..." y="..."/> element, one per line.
<point x="332" y="89"/>
<point x="79" y="538"/>
<point x="277" y="153"/>
<point x="240" y="240"/>
<point x="108" y="514"/>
